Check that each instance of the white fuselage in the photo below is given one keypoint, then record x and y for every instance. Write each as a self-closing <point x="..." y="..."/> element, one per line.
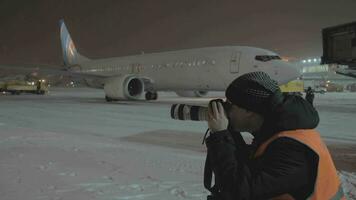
<point x="203" y="69"/>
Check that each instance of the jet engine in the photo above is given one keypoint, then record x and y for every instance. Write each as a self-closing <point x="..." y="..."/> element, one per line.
<point x="123" y="88"/>
<point x="192" y="93"/>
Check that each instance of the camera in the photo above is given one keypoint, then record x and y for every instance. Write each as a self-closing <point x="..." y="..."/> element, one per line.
<point x="194" y="113"/>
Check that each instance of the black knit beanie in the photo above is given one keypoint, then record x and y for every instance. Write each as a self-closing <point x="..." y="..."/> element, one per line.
<point x="255" y="91"/>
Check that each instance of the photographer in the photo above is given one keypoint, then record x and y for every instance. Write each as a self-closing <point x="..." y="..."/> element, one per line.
<point x="309" y="96"/>
<point x="287" y="158"/>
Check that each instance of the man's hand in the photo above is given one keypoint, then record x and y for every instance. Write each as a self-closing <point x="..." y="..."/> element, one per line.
<point x="217" y="118"/>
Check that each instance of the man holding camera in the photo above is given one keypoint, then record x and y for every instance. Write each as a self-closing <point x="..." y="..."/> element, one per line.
<point x="287" y="158"/>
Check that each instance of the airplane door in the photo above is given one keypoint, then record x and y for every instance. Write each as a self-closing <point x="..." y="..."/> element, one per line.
<point x="234" y="62"/>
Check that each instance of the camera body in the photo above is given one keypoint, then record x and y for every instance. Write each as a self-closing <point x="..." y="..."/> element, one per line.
<point x="195" y="113"/>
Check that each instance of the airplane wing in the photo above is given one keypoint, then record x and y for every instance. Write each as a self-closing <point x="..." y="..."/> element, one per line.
<point x="347" y="72"/>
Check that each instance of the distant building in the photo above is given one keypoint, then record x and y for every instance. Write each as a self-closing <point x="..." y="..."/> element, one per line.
<point x="321" y="76"/>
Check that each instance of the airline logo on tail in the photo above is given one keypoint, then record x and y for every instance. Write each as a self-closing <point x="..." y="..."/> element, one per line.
<point x="70" y="54"/>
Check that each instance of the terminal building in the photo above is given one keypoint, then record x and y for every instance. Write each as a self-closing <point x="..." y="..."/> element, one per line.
<point x="324" y="77"/>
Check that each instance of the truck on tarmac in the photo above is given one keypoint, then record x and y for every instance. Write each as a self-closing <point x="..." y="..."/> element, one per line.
<point x="16" y="87"/>
<point x="296" y="86"/>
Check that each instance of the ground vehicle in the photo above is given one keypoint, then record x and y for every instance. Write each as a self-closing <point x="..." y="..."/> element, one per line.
<point x="293" y="86"/>
<point x="2" y="86"/>
<point x="351" y="87"/>
<point x="18" y="87"/>
<point x="333" y="87"/>
<point x="320" y="89"/>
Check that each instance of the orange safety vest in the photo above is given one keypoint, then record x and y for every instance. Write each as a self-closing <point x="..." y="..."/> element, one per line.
<point x="327" y="183"/>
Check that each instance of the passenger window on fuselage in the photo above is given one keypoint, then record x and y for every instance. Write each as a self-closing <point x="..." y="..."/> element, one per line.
<point x="265" y="58"/>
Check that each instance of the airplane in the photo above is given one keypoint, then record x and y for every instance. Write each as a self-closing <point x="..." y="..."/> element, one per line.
<point x="189" y="72"/>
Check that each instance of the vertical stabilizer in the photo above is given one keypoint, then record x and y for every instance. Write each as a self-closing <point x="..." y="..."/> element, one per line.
<point x="70" y="53"/>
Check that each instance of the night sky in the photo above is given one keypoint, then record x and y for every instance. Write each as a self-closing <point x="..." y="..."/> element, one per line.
<point x="29" y="28"/>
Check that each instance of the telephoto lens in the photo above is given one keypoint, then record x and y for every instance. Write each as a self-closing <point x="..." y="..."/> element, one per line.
<point x="194" y="113"/>
<point x="189" y="112"/>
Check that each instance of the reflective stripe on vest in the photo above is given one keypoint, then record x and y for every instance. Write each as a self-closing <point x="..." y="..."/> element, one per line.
<point x="327" y="183"/>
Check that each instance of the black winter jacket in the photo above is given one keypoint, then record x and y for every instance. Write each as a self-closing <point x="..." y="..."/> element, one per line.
<point x="287" y="166"/>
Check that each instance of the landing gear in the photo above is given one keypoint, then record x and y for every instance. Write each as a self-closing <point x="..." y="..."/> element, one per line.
<point x="151" y="96"/>
<point x="108" y="99"/>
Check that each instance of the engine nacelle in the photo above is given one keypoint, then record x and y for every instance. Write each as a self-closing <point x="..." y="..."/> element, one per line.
<point x="192" y="93"/>
<point x="124" y="88"/>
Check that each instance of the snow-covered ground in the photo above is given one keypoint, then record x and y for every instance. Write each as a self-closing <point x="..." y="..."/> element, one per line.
<point x="72" y="145"/>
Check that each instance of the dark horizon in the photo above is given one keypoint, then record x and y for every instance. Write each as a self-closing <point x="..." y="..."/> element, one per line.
<point x="30" y="33"/>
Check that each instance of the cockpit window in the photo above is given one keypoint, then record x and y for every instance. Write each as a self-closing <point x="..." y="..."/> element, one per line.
<point x="265" y="58"/>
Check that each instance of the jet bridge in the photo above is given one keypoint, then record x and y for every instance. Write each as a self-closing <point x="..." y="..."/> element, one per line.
<point x="339" y="47"/>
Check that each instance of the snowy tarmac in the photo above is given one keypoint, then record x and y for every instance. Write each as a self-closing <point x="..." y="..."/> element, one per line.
<point x="71" y="144"/>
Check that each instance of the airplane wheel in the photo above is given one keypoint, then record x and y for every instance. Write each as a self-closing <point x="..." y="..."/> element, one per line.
<point x="155" y="96"/>
<point x="148" y="95"/>
<point x="108" y="99"/>
<point x="151" y="95"/>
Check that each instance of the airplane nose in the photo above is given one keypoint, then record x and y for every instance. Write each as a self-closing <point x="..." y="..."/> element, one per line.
<point x="291" y="72"/>
<point x="295" y="72"/>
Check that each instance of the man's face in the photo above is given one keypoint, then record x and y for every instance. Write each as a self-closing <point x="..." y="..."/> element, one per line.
<point x="238" y="117"/>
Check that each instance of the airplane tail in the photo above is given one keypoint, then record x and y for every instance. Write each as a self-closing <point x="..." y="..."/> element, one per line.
<point x="70" y="53"/>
